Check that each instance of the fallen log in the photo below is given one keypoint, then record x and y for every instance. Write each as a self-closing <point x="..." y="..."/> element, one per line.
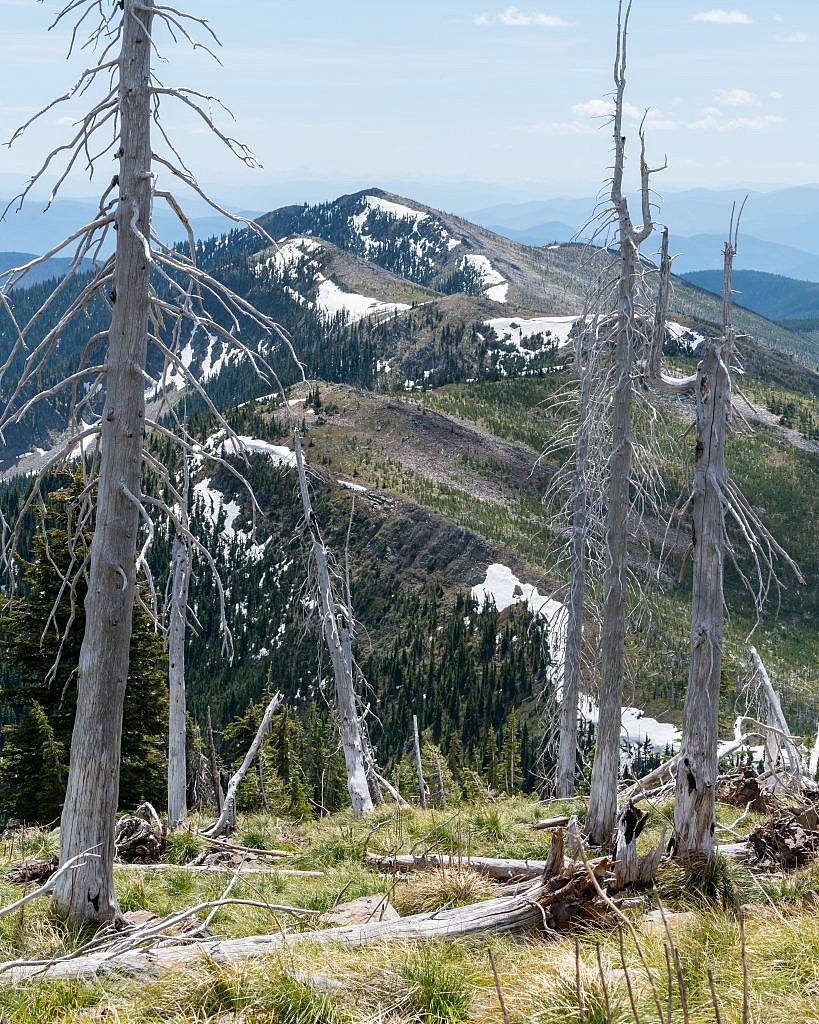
<point x="568" y="898"/>
<point x="33" y="870"/>
<point x="499" y="868"/>
<point x="561" y="821"/>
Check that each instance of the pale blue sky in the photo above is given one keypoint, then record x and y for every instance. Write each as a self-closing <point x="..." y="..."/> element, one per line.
<point x="351" y="93"/>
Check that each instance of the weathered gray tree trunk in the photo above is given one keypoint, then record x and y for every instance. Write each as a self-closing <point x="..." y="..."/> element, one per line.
<point x="573" y="660"/>
<point x="602" y="811"/>
<point x="781" y="739"/>
<point x="227" y="817"/>
<point x="87" y="892"/>
<point x="695" y="799"/>
<point x="336" y="628"/>
<point x="177" y="713"/>
<point x="422" y="785"/>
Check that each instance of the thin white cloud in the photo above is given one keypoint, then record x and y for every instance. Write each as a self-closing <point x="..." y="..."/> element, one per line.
<point x="556" y="128"/>
<point x="775" y="95"/>
<point x="514" y="17"/>
<point x="605" y="109"/>
<point x="720" y="17"/>
<point x="713" y="122"/>
<point x="795" y="38"/>
<point x="736" y="98"/>
<point x="778" y="19"/>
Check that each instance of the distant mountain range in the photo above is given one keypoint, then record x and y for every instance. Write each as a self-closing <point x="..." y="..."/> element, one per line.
<point x="381" y="291"/>
<point x="771" y="295"/>
<point x="778" y="230"/>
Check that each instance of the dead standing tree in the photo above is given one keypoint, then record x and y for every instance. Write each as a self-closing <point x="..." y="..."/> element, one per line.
<point x="150" y="290"/>
<point x="337" y="629"/>
<point x="602" y="812"/>
<point x="179" y="582"/>
<point x="714" y="497"/>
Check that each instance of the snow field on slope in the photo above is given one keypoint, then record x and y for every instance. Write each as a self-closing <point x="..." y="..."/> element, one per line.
<point x="504" y="587"/>
<point x="494" y="284"/>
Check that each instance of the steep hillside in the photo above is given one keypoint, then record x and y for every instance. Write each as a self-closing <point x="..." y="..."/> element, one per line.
<point x="384" y="293"/>
<point x="445" y="484"/>
<point x="771" y="295"/>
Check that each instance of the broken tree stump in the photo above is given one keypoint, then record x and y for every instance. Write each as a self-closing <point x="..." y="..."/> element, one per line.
<point x="140" y="837"/>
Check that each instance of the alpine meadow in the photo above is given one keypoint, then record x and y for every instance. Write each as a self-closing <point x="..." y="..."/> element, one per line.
<point x="409" y="616"/>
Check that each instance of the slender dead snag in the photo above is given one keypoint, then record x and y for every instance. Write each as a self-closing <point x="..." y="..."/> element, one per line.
<point x="575" y="606"/>
<point x="416" y="742"/>
<point x="177" y="713"/>
<point x="602" y="810"/>
<point x="779" y="737"/>
<point x="213" y="766"/>
<point x="93" y="777"/>
<point x="336" y="628"/>
<point x="695" y="796"/>
<point x="150" y="291"/>
<point x="228" y="814"/>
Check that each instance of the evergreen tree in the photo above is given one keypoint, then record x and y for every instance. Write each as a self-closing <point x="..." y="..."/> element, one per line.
<point x="40" y="638"/>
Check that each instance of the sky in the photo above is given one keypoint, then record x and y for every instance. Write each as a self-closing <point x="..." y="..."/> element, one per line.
<point x="339" y="94"/>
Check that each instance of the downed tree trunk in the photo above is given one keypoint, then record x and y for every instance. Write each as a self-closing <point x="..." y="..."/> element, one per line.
<point x="33" y="870"/>
<point x="560" y="821"/>
<point x="228" y="814"/>
<point x="140" y="838"/>
<point x="499" y="868"/>
<point x="568" y="898"/>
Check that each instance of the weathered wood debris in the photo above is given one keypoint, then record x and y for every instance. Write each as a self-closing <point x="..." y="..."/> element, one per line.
<point x="787" y="841"/>
<point x="140" y="838"/>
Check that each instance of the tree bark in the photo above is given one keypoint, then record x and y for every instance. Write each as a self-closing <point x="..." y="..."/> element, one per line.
<point x="177" y="713"/>
<point x="695" y="799"/>
<point x="336" y="627"/>
<point x="87" y="893"/>
<point x="554" y="904"/>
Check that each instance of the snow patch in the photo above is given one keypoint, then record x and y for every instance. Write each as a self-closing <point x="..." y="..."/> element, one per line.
<point x="397" y="210"/>
<point x="685" y="335"/>
<point x="494" y="284"/>
<point x="505" y="589"/>
<point x="517" y="329"/>
<point x="331" y="300"/>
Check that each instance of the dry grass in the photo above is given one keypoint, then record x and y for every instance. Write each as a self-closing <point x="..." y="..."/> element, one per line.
<point x="435" y="983"/>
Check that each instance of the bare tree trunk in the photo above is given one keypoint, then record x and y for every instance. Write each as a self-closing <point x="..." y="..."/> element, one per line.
<point x="216" y="781"/>
<point x="422" y="786"/>
<point x="177" y="713"/>
<point x="227" y="818"/>
<point x="694" y="804"/>
<point x="573" y="660"/>
<point x="781" y="739"/>
<point x="336" y="628"/>
<point x="602" y="811"/>
<point x="87" y="893"/>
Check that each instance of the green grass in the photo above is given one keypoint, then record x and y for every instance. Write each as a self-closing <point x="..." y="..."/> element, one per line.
<point x="434" y="983"/>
